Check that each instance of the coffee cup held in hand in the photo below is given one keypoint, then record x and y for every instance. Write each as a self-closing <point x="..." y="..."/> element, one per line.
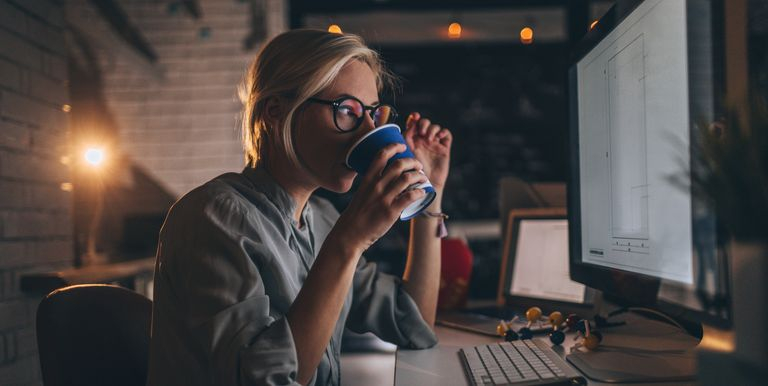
<point x="364" y="151"/>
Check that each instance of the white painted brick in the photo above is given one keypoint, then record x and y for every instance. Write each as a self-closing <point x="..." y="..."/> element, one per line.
<point x="9" y="350"/>
<point x="54" y="65"/>
<point x="29" y="167"/>
<point x="23" y="109"/>
<point x="23" y="195"/>
<point x="37" y="256"/>
<point x="13" y="194"/>
<point x="46" y="35"/>
<point x="18" y="224"/>
<point x="26" y="340"/>
<point x="52" y="140"/>
<point x="48" y="197"/>
<point x="51" y="12"/>
<point x="10" y="75"/>
<point x="21" y="372"/>
<point x="17" y="50"/>
<point x="15" y="136"/>
<point x="48" y="89"/>
<point x="53" y="250"/>
<point x="14" y="314"/>
<point x="11" y="18"/>
<point x="184" y="127"/>
<point x="207" y="94"/>
<point x="164" y="136"/>
<point x="11" y="250"/>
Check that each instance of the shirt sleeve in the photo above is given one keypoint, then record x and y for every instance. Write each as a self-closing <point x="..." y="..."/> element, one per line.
<point x="381" y="305"/>
<point x="208" y="267"/>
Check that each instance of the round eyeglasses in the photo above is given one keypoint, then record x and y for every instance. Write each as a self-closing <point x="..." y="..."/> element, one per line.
<point x="349" y="112"/>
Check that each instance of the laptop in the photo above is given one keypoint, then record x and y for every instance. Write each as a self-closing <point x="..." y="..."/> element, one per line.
<point x="534" y="272"/>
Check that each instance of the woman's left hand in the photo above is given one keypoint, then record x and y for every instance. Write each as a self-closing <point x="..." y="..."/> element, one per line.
<point x="432" y="146"/>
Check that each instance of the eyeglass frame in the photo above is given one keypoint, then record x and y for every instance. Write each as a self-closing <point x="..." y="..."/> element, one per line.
<point x="336" y="103"/>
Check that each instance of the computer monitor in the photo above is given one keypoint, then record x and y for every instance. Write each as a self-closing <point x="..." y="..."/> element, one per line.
<point x="640" y="82"/>
<point x="544" y="243"/>
<point x="534" y="266"/>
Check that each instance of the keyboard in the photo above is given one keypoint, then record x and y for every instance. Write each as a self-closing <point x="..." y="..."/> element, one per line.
<point x="522" y="362"/>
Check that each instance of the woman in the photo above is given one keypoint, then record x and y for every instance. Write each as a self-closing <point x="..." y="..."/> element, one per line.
<point x="255" y="277"/>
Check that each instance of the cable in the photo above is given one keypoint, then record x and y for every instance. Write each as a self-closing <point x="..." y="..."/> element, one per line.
<point x="652" y="311"/>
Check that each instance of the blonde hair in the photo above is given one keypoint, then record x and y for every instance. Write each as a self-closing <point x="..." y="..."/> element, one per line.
<point x="295" y="66"/>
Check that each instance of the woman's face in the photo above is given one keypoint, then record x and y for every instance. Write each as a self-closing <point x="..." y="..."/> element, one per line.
<point x="320" y="146"/>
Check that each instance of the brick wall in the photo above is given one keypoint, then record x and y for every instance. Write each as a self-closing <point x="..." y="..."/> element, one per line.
<point x="178" y="119"/>
<point x="35" y="213"/>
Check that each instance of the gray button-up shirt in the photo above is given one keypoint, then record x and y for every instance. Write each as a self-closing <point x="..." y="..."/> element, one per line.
<point x="230" y="262"/>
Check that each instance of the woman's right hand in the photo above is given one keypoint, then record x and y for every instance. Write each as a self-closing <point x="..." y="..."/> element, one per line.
<point x="380" y="198"/>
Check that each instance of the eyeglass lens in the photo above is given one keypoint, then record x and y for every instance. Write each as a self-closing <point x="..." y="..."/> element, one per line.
<point x="350" y="112"/>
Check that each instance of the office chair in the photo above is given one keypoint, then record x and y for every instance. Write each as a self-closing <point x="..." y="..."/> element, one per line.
<point x="94" y="334"/>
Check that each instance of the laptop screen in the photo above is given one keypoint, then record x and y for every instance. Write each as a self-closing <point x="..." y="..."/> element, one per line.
<point x="541" y="262"/>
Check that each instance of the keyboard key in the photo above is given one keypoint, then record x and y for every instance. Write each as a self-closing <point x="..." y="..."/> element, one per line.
<point x="510" y="362"/>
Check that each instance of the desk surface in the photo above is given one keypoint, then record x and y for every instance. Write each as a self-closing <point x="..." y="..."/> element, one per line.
<point x="441" y="365"/>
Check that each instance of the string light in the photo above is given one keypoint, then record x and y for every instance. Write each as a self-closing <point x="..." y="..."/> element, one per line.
<point x="334" y="29"/>
<point x="526" y="35"/>
<point x="594" y="23"/>
<point x="454" y="31"/>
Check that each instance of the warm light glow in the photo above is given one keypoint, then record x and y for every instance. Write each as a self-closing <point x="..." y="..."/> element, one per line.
<point x="334" y="29"/>
<point x="66" y="186"/>
<point x="94" y="156"/>
<point x="594" y="23"/>
<point x="454" y="31"/>
<point x="66" y="108"/>
<point x="526" y="35"/>
<point x="64" y="160"/>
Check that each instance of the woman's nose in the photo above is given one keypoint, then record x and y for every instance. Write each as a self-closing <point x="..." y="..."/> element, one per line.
<point x="368" y="123"/>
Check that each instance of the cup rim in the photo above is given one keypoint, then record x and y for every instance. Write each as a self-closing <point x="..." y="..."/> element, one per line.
<point x="354" y="146"/>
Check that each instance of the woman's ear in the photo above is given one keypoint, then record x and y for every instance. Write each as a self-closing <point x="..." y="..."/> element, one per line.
<point x="274" y="111"/>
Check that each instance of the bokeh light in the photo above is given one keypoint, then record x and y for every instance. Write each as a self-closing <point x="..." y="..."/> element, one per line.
<point x="526" y="35"/>
<point x="94" y="156"/>
<point x="454" y="31"/>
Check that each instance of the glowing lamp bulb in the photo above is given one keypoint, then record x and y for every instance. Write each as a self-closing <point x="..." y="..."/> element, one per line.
<point x="594" y="23"/>
<point x="334" y="29"/>
<point x="526" y="35"/>
<point x="94" y="156"/>
<point x="454" y="30"/>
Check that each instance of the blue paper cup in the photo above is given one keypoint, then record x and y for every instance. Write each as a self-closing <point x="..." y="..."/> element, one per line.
<point x="364" y="151"/>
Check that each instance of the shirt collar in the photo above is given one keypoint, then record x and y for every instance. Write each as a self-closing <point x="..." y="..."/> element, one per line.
<point x="265" y="183"/>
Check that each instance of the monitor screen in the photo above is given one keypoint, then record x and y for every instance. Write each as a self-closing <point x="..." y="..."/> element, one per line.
<point x="633" y="115"/>
<point x="541" y="262"/>
<point x="639" y="84"/>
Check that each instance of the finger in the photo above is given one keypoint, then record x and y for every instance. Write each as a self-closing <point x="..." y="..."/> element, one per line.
<point x="407" y="198"/>
<point x="413" y="118"/>
<point x="410" y="128"/>
<point x="398" y="167"/>
<point x="423" y="126"/>
<point x="433" y="130"/>
<point x="380" y="161"/>
<point x="403" y="182"/>
<point x="446" y="137"/>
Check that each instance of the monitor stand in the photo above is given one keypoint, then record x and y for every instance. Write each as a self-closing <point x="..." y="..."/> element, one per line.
<point x="643" y="350"/>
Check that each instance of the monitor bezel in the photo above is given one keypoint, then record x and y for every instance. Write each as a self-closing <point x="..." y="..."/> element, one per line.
<point x="625" y="287"/>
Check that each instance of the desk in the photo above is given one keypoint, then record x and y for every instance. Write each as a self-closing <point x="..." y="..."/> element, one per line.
<point x="441" y="365"/>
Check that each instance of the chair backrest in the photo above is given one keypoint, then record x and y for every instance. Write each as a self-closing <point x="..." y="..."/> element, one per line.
<point x="94" y="334"/>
